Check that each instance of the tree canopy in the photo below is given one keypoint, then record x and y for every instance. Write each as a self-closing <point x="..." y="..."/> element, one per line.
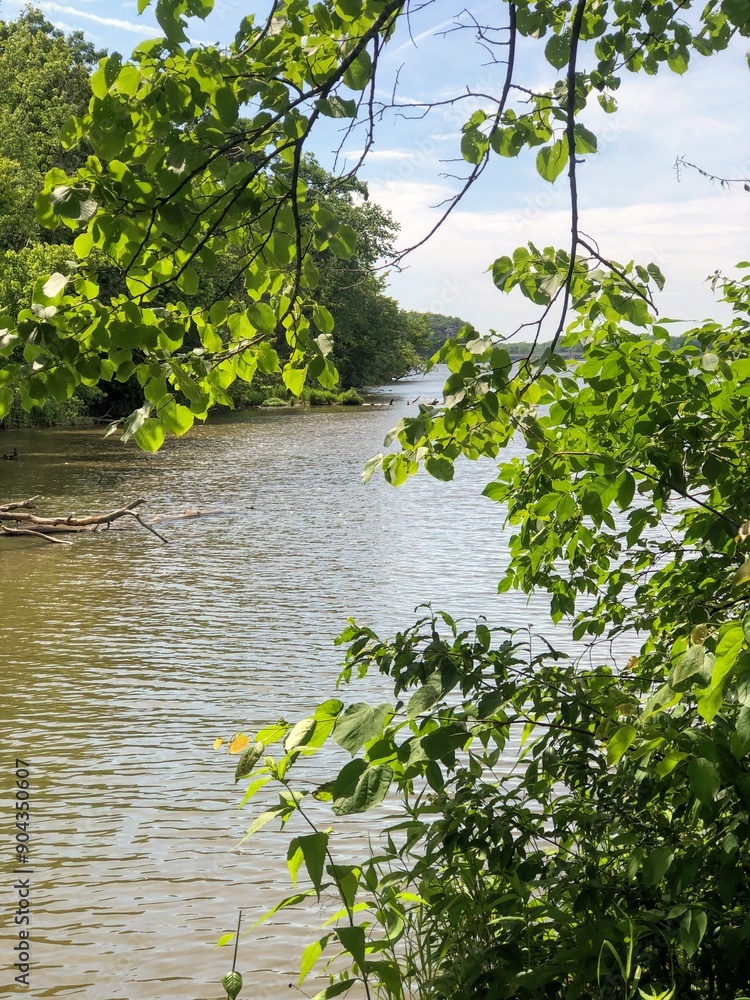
<point x="44" y="80"/>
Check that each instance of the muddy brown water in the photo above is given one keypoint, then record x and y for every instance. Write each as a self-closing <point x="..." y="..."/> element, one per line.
<point x="122" y="660"/>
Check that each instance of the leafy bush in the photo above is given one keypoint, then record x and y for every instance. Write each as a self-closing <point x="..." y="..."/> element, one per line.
<point x="350" y="398"/>
<point x="275" y="401"/>
<point x="320" y="397"/>
<point x="53" y="413"/>
<point x="610" y="862"/>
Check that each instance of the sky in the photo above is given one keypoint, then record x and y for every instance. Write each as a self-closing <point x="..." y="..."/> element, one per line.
<point x="632" y="200"/>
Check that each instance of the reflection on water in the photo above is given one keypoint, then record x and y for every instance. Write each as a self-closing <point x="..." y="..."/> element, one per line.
<point x="124" y="658"/>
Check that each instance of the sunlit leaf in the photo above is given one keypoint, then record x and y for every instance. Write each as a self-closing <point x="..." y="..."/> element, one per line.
<point x="238" y="743"/>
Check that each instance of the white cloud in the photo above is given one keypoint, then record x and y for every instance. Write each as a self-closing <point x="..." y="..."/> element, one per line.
<point x="379" y="154"/>
<point x="112" y="22"/>
<point x="414" y="41"/>
<point x="688" y="240"/>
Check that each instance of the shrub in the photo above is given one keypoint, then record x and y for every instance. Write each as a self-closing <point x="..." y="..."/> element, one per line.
<point x="320" y="397"/>
<point x="350" y="398"/>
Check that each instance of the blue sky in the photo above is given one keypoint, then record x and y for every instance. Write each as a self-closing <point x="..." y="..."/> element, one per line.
<point x="631" y="200"/>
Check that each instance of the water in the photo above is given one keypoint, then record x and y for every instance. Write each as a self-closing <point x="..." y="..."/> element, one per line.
<point x="123" y="659"/>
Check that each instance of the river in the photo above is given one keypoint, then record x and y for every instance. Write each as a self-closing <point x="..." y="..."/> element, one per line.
<point x="123" y="659"/>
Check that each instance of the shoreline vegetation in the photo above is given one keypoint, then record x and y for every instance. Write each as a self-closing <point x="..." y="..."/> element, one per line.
<point x="96" y="405"/>
<point x="84" y="410"/>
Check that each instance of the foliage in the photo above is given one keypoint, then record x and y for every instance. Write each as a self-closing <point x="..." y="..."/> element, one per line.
<point x="612" y="858"/>
<point x="561" y="829"/>
<point x="320" y="397"/>
<point x="177" y="181"/>
<point x="375" y="341"/>
<point x="444" y="328"/>
<point x="441" y="328"/>
<point x="350" y="398"/>
<point x="565" y="829"/>
<point x="44" y="79"/>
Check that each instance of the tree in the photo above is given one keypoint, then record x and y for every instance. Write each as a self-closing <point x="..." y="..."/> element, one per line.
<point x="184" y="180"/>
<point x="44" y="80"/>
<point x="375" y="341"/>
<point x="613" y="861"/>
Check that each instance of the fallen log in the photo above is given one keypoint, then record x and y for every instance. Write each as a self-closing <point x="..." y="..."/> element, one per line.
<point x="16" y="519"/>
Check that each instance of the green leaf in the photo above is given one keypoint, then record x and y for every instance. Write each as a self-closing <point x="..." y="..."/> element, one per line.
<point x="585" y="140"/>
<point x="128" y="79"/>
<point x="6" y="401"/>
<point x="310" y="956"/>
<point x="443" y="742"/>
<point x="359" y="724"/>
<point x="310" y="273"/>
<point x="741" y="738"/>
<point x="657" y="864"/>
<point x="325" y="344"/>
<point x="678" y="60"/>
<point x="336" y="990"/>
<point x="353" y="940"/>
<point x="743" y="574"/>
<point x="314" y="848"/>
<point x="177" y="419"/>
<point x="473" y="146"/>
<point x="359" y="787"/>
<point x="619" y="743"/>
<point x="323" y="319"/>
<point x="425" y="697"/>
<point x="150" y="435"/>
<point x="54" y="285"/>
<point x="440" y="468"/>
<point x="227" y="107"/>
<point x="294" y="379"/>
<point x="731" y="642"/>
<point x="704" y="779"/>
<point x="293" y="900"/>
<point x="248" y="760"/>
<point x="692" y="668"/>
<point x="359" y="72"/>
<point x="692" y="928"/>
<point x="232" y="983"/>
<point x="552" y="160"/>
<point x="343" y="243"/>
<point x="265" y="817"/>
<point x="337" y="107"/>
<point x="557" y="50"/>
<point x="300" y="734"/>
<point x="663" y="699"/>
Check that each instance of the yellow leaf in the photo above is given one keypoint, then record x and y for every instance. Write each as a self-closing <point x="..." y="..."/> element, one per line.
<point x="743" y="574"/>
<point x="632" y="663"/>
<point x="238" y="744"/>
<point x="699" y="635"/>
<point x="218" y="742"/>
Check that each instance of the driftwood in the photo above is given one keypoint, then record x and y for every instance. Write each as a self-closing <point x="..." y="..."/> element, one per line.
<point x="22" y="522"/>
